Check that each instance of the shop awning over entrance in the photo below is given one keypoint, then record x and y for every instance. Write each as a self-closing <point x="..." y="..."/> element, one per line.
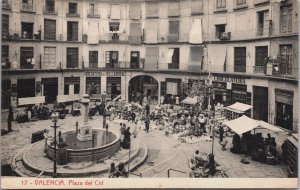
<point x="238" y="107"/>
<point x="244" y="124"/>
<point x="68" y="98"/>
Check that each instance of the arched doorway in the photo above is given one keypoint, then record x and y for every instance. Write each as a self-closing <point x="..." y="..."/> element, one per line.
<point x="143" y="85"/>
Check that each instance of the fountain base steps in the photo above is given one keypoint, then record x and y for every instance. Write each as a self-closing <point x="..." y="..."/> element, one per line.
<point x="32" y="162"/>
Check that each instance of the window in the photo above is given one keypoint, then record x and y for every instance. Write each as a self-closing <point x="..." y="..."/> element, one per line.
<point x="240" y="59"/>
<point x="72" y="29"/>
<point x="49" y="57"/>
<point x="93" y="59"/>
<point x="5" y="57"/>
<point x="286" y="18"/>
<point x="27" y="30"/>
<point x="115" y="11"/>
<point x="286" y="58"/>
<point x="134" y="59"/>
<point x="26" y="58"/>
<point x="5" y="25"/>
<point x="220" y="28"/>
<point x="27" y="5"/>
<point x="66" y="89"/>
<point x="50" y="29"/>
<point x="72" y="58"/>
<point x="197" y="6"/>
<point x="114" y="26"/>
<point x="221" y="4"/>
<point x="76" y="88"/>
<point x="92" y="9"/>
<point x="50" y="6"/>
<point x="72" y="8"/>
<point x="263" y="23"/>
<point x="175" y="59"/>
<point x="112" y="59"/>
<point x="261" y="55"/>
<point x="151" y="10"/>
<point x="173" y="31"/>
<point x="241" y="2"/>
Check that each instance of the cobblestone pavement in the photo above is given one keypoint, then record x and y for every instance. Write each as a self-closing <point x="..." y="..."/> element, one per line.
<point x="161" y="149"/>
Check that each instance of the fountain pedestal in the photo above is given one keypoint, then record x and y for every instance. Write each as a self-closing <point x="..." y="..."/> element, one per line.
<point x="85" y="130"/>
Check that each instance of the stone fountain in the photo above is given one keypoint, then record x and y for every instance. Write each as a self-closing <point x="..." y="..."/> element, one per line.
<point x="85" y="132"/>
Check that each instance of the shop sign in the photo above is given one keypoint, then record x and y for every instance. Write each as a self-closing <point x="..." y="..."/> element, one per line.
<point x="106" y="73"/>
<point x="229" y="79"/>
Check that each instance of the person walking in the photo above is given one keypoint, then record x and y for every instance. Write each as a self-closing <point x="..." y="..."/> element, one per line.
<point x="221" y="132"/>
<point x="147" y="124"/>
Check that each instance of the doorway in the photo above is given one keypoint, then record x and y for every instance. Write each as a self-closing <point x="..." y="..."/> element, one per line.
<point x="260" y="103"/>
<point x="50" y="89"/>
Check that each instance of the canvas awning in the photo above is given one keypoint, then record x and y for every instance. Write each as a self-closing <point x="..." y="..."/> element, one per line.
<point x="190" y="100"/>
<point x="68" y="98"/>
<point x="151" y="31"/>
<point x="244" y="124"/>
<point x="169" y="55"/>
<point x="31" y="100"/>
<point x="196" y="32"/>
<point x="93" y="33"/>
<point x="238" y="107"/>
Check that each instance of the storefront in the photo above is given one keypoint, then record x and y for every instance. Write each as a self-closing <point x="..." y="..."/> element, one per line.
<point x="239" y="93"/>
<point x="71" y="85"/>
<point x="113" y="87"/>
<point x="219" y="92"/>
<point x="25" y="88"/>
<point x="284" y="108"/>
<point x="260" y="103"/>
<point x="50" y="89"/>
<point x="93" y="85"/>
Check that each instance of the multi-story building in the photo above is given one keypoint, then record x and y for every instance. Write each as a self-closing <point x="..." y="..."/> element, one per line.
<point x="248" y="49"/>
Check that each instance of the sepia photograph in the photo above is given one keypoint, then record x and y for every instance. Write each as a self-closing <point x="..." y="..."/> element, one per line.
<point x="149" y="93"/>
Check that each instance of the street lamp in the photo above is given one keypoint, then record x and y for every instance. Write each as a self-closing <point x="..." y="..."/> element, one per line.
<point x="54" y="118"/>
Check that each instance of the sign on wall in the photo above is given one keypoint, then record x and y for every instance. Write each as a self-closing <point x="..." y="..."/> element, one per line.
<point x="229" y="79"/>
<point x="105" y="73"/>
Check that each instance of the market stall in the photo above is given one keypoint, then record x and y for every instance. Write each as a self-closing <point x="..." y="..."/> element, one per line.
<point x="28" y="111"/>
<point x="73" y="99"/>
<point x="236" y="110"/>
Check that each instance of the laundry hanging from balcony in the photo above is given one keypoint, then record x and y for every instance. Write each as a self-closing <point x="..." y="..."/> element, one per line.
<point x="196" y="32"/>
<point x="151" y="61"/>
<point x="151" y="31"/>
<point x="135" y="33"/>
<point x="93" y="33"/>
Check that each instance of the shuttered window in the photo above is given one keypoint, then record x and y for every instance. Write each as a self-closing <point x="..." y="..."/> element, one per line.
<point x="50" y="29"/>
<point x="115" y="12"/>
<point x="286" y="18"/>
<point x="240" y="59"/>
<point x="72" y="58"/>
<point x="173" y="9"/>
<point x="173" y="31"/>
<point x="151" y="61"/>
<point x="151" y="9"/>
<point x="261" y="53"/>
<point x="72" y="30"/>
<point x="135" y="33"/>
<point x="26" y="57"/>
<point x="5" y="25"/>
<point x="49" y="58"/>
<point x="197" y="6"/>
<point x="286" y="58"/>
<point x="93" y="59"/>
<point x="72" y="8"/>
<point x="135" y="10"/>
<point x="263" y="23"/>
<point x="221" y="4"/>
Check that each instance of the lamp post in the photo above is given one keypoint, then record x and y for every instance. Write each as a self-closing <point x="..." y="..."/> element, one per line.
<point x="54" y="118"/>
<point x="104" y="110"/>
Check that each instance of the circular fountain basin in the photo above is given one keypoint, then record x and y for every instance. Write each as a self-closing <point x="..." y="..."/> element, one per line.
<point x="101" y="147"/>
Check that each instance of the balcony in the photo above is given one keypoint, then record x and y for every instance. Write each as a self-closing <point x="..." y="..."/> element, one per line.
<point x="225" y="36"/>
<point x="72" y="14"/>
<point x="50" y="10"/>
<point x="259" y="69"/>
<point x="93" y="15"/>
<point x="258" y="2"/>
<point x="240" y="6"/>
<point x="114" y="37"/>
<point x="27" y="8"/>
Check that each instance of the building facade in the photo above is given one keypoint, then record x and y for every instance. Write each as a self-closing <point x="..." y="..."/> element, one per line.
<point x="246" y="48"/>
